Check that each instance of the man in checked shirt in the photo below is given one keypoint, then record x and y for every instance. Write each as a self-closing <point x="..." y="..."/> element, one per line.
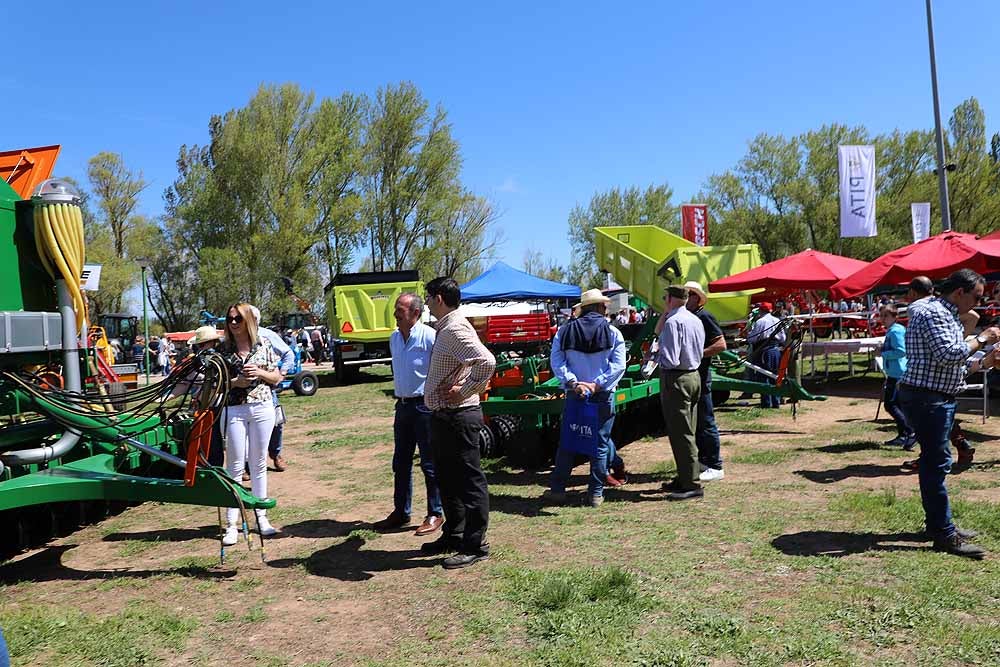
<point x="459" y="371"/>
<point x="937" y="350"/>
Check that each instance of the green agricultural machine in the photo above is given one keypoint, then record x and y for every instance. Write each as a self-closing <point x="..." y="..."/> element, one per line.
<point x="524" y="404"/>
<point x="69" y="451"/>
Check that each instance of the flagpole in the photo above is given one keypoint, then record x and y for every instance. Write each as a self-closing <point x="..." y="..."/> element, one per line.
<point x="939" y="134"/>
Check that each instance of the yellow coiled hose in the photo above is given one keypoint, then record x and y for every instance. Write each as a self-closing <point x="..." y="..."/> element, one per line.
<point x="60" y="245"/>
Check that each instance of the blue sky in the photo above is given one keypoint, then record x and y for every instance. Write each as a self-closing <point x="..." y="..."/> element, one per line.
<point x="550" y="101"/>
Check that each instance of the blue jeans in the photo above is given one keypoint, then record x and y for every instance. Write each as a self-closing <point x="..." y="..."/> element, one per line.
<point x="706" y="434"/>
<point x="931" y="414"/>
<point x="770" y="359"/>
<point x="605" y="447"/>
<point x="891" y="401"/>
<point x="412" y="431"/>
<point x="4" y="657"/>
<point x="277" y="434"/>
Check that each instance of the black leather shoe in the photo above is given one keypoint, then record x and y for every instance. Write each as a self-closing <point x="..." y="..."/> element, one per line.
<point x="394" y="520"/>
<point x="463" y="560"/>
<point x="672" y="485"/>
<point x="959" y="546"/>
<point x="441" y="545"/>
<point x="686" y="495"/>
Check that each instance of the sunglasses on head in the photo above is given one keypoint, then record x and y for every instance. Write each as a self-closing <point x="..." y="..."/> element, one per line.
<point x="234" y="319"/>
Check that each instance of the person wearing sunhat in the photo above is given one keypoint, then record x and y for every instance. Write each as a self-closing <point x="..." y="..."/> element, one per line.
<point x="767" y="337"/>
<point x="681" y="349"/>
<point x="205" y="337"/>
<point x="588" y="357"/>
<point x="706" y="434"/>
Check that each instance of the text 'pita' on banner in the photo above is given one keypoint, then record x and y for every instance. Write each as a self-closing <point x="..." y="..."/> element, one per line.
<point x="921" y="214"/>
<point x="694" y="223"/>
<point x="857" y="191"/>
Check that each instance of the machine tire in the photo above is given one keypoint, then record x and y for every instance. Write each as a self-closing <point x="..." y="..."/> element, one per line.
<point x="487" y="442"/>
<point x="116" y="392"/>
<point x="305" y="383"/>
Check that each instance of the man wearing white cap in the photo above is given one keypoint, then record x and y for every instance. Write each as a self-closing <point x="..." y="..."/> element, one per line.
<point x="588" y="357"/>
<point x="706" y="433"/>
<point x="286" y="364"/>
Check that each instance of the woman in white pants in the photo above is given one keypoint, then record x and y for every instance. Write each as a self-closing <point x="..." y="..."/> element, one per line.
<point x="249" y="415"/>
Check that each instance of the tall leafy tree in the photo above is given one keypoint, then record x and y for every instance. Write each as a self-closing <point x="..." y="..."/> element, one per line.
<point x="615" y="207"/>
<point x="410" y="172"/>
<point x="115" y="190"/>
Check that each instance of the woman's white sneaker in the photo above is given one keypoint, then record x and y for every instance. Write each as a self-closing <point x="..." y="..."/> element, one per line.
<point x="266" y="529"/>
<point x="231" y="537"/>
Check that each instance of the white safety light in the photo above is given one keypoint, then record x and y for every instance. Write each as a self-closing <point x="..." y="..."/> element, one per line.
<point x="57" y="190"/>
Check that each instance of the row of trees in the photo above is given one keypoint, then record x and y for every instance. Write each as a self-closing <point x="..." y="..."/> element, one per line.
<point x="291" y="186"/>
<point x="288" y="186"/>
<point x="783" y="194"/>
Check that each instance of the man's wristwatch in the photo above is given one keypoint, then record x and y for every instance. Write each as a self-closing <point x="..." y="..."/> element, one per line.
<point x="982" y="340"/>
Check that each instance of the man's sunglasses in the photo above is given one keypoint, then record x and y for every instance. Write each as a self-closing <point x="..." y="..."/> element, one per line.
<point x="236" y="319"/>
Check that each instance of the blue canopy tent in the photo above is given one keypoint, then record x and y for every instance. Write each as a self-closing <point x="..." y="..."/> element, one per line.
<point x="505" y="283"/>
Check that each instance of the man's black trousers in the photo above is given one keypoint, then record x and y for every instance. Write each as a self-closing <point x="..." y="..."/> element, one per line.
<point x="464" y="495"/>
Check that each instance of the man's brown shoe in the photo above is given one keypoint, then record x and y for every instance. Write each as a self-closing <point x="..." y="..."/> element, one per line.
<point x="246" y="475"/>
<point x="279" y="464"/>
<point x="431" y="524"/>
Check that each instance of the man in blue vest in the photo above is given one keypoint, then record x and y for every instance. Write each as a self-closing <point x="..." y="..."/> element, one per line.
<point x="588" y="357"/>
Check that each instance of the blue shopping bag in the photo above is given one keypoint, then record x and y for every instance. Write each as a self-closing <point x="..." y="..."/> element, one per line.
<point x="580" y="426"/>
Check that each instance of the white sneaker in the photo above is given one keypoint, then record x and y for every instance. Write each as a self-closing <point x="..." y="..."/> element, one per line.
<point x="710" y="475"/>
<point x="266" y="529"/>
<point x="231" y="537"/>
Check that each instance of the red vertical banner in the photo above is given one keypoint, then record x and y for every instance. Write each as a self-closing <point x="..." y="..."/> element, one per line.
<point x="694" y="225"/>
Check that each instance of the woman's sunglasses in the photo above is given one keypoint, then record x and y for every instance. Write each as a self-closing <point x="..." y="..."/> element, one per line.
<point x="236" y="319"/>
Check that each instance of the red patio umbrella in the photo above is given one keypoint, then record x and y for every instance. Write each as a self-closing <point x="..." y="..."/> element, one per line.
<point x="806" y="270"/>
<point x="934" y="257"/>
<point x="992" y="237"/>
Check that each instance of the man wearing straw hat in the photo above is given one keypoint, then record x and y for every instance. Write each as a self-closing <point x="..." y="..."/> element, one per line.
<point x="681" y="348"/>
<point x="707" y="432"/>
<point x="588" y="357"/>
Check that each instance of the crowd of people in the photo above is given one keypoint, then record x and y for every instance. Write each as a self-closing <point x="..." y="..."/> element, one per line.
<point x="926" y="365"/>
<point x="439" y="373"/>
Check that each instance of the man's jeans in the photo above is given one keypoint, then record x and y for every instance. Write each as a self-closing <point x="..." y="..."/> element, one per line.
<point x="277" y="434"/>
<point x="770" y="359"/>
<point x="891" y="401"/>
<point x="707" y="431"/>
<point x="931" y="414"/>
<point x="412" y="430"/>
<point x="605" y="401"/>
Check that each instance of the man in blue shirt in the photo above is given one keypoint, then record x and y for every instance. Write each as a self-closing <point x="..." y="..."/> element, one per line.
<point x="286" y="364"/>
<point x="411" y="346"/>
<point x="588" y="357"/>
<point x="935" y="370"/>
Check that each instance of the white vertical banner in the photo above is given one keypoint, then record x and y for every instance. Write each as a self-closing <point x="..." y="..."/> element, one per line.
<point x="857" y="190"/>
<point x="921" y="214"/>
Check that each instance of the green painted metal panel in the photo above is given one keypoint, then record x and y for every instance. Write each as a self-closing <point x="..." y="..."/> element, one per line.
<point x="95" y="478"/>
<point x="368" y="309"/>
<point x="645" y="259"/>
